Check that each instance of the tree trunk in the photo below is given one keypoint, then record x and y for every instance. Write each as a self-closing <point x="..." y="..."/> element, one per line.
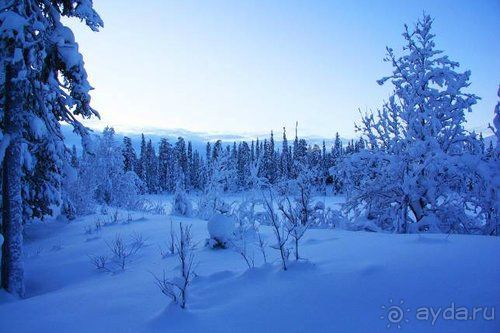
<point x="12" y="226"/>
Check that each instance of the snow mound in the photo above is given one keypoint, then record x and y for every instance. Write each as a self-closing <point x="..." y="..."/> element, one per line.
<point x="221" y="228"/>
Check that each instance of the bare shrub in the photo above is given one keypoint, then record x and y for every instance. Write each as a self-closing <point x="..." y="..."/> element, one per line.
<point x="296" y="219"/>
<point x="121" y="251"/>
<point x="167" y="287"/>
<point x="176" y="288"/>
<point x="240" y="245"/>
<point x="171" y="246"/>
<point x="262" y="246"/>
<point x="280" y="232"/>
<point x="100" y="262"/>
<point x="245" y="229"/>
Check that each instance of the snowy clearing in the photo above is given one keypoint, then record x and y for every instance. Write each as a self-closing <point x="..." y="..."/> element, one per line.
<point x="342" y="286"/>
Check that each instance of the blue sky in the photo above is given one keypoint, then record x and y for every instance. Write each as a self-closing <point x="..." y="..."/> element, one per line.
<point x="245" y="67"/>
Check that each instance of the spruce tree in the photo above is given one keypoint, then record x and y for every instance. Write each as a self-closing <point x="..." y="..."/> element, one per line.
<point x="164" y="166"/>
<point x="129" y="156"/>
<point x="285" y="159"/>
<point x="181" y="161"/>
<point x="151" y="168"/>
<point x="45" y="83"/>
<point x="243" y="165"/>
<point x="141" y="161"/>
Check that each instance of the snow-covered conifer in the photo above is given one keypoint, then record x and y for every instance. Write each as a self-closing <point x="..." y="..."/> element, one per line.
<point x="129" y="156"/>
<point x="44" y="83"/>
<point x="411" y="179"/>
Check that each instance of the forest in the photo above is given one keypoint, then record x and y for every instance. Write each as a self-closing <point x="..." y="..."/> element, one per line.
<point x="276" y="233"/>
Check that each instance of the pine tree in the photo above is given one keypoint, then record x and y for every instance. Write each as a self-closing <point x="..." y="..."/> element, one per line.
<point x="252" y="152"/>
<point x="45" y="83"/>
<point x="129" y="156"/>
<point x="257" y="149"/>
<point x="243" y="165"/>
<point x="208" y="152"/>
<point x="190" y="171"/>
<point x="196" y="171"/>
<point x="141" y="162"/>
<point x="337" y="153"/>
<point x="165" y="166"/>
<point x="337" y="147"/>
<point x="285" y="160"/>
<point x="270" y="161"/>
<point x="217" y="150"/>
<point x="42" y="178"/>
<point x="151" y="168"/>
<point x="181" y="161"/>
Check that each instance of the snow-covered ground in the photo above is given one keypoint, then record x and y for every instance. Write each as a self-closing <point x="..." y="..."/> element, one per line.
<point x="347" y="284"/>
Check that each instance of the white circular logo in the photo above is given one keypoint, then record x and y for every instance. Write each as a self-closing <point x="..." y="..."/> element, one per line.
<point x="394" y="314"/>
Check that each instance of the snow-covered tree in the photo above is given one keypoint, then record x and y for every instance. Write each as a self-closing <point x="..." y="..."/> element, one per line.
<point x="151" y="168"/>
<point x="217" y="183"/>
<point x="197" y="171"/>
<point x="181" y="170"/>
<point x="182" y="205"/>
<point x="411" y="179"/>
<point x="140" y="168"/>
<point x="42" y="177"/>
<point x="114" y="185"/>
<point x="165" y="166"/>
<point x="285" y="159"/>
<point x="129" y="156"/>
<point x="244" y="162"/>
<point x="44" y="83"/>
<point x="101" y="177"/>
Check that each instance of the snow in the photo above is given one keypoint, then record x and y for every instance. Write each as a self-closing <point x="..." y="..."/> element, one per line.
<point x="4" y="143"/>
<point x="221" y="227"/>
<point x="11" y="21"/>
<point x="341" y="286"/>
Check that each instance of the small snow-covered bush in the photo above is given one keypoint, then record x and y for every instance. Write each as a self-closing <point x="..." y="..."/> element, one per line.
<point x="182" y="205"/>
<point x="296" y="208"/>
<point x="220" y="228"/>
<point x="209" y="204"/>
<point x="151" y="207"/>
<point x="326" y="217"/>
<point x="248" y="215"/>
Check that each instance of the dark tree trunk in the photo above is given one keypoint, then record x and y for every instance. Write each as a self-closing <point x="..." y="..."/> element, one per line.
<point x="12" y="226"/>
